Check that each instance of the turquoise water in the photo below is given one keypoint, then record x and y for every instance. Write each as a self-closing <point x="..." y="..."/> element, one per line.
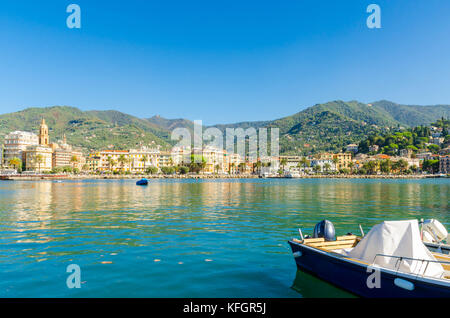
<point x="188" y="238"/>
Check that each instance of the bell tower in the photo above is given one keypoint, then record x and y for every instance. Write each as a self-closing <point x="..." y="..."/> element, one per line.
<point x="43" y="133"/>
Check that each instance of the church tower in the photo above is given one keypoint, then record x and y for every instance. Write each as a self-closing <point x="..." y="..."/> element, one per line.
<point x="43" y="133"/>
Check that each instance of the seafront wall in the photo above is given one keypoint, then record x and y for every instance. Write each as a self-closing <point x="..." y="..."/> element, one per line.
<point x="202" y="176"/>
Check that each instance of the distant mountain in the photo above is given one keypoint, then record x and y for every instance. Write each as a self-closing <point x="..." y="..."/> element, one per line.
<point x="170" y="124"/>
<point x="322" y="127"/>
<point x="412" y="115"/>
<point x="90" y="130"/>
<point x="332" y="126"/>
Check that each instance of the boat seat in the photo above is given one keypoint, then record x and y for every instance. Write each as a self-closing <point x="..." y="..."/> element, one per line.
<point x="341" y="243"/>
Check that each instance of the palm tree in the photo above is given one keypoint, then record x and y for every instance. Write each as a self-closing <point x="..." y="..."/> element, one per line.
<point x="73" y="160"/>
<point x="317" y="168"/>
<point x="15" y="162"/>
<point x="283" y="162"/>
<point x="233" y="166"/>
<point x="122" y="160"/>
<point x="402" y="165"/>
<point x="304" y="162"/>
<point x="385" y="166"/>
<point x="144" y="159"/>
<point x="351" y="165"/>
<point x="111" y="162"/>
<point x="39" y="159"/>
<point x="257" y="166"/>
<point x="326" y="167"/>
<point x="335" y="161"/>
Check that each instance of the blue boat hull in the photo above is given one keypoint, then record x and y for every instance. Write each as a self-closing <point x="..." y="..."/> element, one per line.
<point x="142" y="182"/>
<point x="353" y="276"/>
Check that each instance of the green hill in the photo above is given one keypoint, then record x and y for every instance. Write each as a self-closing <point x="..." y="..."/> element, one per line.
<point x="322" y="127"/>
<point x="91" y="130"/>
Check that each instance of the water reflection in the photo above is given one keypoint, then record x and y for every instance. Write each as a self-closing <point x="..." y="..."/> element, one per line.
<point x="241" y="225"/>
<point x="309" y="286"/>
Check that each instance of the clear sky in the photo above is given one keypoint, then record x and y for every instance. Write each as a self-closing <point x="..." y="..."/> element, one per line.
<point x="222" y="61"/>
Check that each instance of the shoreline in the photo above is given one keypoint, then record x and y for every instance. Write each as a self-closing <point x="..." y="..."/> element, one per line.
<point x="134" y="177"/>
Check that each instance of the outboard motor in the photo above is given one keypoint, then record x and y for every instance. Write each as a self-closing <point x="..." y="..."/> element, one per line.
<point x="434" y="231"/>
<point x="326" y="230"/>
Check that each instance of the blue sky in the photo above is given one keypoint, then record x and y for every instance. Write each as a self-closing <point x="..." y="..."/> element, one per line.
<point x="222" y="61"/>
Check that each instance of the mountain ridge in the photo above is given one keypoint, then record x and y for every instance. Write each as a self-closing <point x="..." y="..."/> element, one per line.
<point x="321" y="127"/>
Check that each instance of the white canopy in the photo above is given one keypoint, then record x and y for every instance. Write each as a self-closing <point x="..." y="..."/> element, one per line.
<point x="397" y="238"/>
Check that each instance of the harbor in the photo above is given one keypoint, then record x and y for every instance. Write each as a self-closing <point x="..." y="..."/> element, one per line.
<point x="189" y="238"/>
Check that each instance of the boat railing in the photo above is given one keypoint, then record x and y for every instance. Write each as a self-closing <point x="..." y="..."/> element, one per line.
<point x="400" y="259"/>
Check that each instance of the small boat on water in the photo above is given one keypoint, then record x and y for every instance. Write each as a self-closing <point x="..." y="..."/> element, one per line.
<point x="390" y="261"/>
<point x="143" y="181"/>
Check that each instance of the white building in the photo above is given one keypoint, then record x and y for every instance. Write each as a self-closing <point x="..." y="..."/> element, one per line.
<point x="38" y="158"/>
<point x="323" y="163"/>
<point x="444" y="164"/>
<point x="16" y="143"/>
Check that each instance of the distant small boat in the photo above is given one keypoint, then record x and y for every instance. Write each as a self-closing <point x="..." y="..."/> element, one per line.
<point x="143" y="181"/>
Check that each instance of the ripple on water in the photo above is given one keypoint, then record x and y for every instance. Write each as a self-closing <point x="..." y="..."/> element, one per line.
<point x="187" y="238"/>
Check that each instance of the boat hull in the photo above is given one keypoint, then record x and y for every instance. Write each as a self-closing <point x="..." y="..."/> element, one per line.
<point x="353" y="276"/>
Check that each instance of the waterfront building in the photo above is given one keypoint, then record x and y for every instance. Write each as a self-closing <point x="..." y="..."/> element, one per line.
<point x="214" y="158"/>
<point x="64" y="158"/>
<point x="165" y="159"/>
<point x="143" y="158"/>
<point x="43" y="133"/>
<point x="64" y="155"/>
<point x="93" y="162"/>
<point x="323" y="164"/>
<point x="181" y="156"/>
<point x="291" y="163"/>
<point x="114" y="160"/>
<point x="16" y="143"/>
<point x="38" y="158"/>
<point x="232" y="162"/>
<point x="342" y="160"/>
<point x="444" y="164"/>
